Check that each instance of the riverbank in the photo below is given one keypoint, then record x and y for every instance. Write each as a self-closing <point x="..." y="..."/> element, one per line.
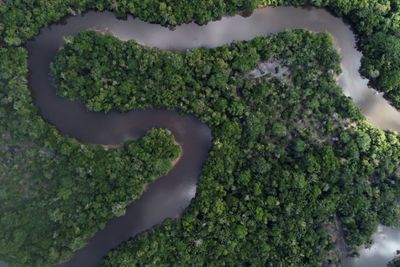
<point x="395" y="262"/>
<point x="162" y="93"/>
<point x="238" y="122"/>
<point x="180" y="153"/>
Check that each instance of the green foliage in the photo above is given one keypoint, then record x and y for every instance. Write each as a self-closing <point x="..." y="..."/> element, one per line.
<point x="372" y="20"/>
<point x="288" y="154"/>
<point x="382" y="64"/>
<point x="56" y="193"/>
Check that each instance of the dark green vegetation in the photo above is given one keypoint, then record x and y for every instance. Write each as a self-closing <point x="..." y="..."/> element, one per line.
<point x="56" y="193"/>
<point x="288" y="155"/>
<point x="394" y="263"/>
<point x="377" y="23"/>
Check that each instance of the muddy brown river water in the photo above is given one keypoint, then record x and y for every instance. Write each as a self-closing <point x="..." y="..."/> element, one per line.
<point x="170" y="195"/>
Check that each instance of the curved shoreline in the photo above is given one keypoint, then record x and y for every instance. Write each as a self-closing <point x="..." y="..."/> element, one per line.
<point x="167" y="197"/>
<point x="171" y="194"/>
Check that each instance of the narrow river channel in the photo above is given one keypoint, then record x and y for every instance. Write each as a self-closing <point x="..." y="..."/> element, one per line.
<point x="170" y="195"/>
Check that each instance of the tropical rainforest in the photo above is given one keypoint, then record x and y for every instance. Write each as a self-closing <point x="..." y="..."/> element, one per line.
<point x="55" y="192"/>
<point x="290" y="155"/>
<point x="376" y="22"/>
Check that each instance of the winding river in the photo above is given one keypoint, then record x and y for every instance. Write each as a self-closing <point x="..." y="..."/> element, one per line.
<point x="170" y="195"/>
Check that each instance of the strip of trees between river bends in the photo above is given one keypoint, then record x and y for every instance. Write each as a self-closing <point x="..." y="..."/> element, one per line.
<point x="376" y="22"/>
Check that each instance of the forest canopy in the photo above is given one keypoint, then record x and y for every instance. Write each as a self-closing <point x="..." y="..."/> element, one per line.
<point x="289" y="156"/>
<point x="376" y="22"/>
<point x="55" y="192"/>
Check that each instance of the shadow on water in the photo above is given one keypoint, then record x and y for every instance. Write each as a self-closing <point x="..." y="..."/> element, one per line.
<point x="170" y="195"/>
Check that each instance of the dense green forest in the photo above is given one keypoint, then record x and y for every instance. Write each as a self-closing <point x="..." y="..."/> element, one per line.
<point x="289" y="155"/>
<point x="377" y="23"/>
<point x="56" y="193"/>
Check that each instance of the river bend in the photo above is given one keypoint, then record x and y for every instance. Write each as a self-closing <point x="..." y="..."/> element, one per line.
<point x="170" y="195"/>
